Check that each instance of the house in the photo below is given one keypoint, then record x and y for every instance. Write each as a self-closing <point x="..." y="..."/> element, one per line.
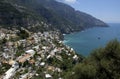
<point x="24" y="76"/>
<point x="48" y="76"/>
<point x="2" y="35"/>
<point x="5" y="55"/>
<point x="26" y="56"/>
<point x="48" y="56"/>
<point x="23" y="58"/>
<point x="11" y="71"/>
<point x="31" y="52"/>
<point x="9" y="44"/>
<point x="51" y="68"/>
<point x="44" y="47"/>
<point x="42" y="63"/>
<point x="75" y="57"/>
<point x="31" y="61"/>
<point x="53" y="52"/>
<point x="36" y="48"/>
<point x="11" y="62"/>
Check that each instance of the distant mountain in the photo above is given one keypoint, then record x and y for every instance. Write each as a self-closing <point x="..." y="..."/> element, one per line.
<point x="55" y="14"/>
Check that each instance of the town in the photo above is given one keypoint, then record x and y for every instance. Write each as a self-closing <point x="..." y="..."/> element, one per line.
<point x="28" y="55"/>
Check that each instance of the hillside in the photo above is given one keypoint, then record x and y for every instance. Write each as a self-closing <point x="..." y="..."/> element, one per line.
<point x="31" y="46"/>
<point x="60" y="16"/>
<point x="103" y="63"/>
<point x="28" y="55"/>
<point x="19" y="16"/>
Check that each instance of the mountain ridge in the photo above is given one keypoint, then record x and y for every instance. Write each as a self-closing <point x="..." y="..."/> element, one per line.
<point x="59" y="15"/>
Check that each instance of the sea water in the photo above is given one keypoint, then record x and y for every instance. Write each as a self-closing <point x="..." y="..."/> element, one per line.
<point x="85" y="42"/>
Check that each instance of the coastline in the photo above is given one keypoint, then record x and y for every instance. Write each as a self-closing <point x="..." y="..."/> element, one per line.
<point x="89" y="39"/>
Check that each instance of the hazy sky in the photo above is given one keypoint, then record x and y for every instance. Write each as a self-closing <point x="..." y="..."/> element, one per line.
<point x="106" y="10"/>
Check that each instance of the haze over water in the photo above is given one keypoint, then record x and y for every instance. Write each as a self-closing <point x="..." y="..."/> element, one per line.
<point x="86" y="41"/>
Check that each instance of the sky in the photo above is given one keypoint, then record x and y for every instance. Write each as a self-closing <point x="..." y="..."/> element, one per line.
<point x="106" y="10"/>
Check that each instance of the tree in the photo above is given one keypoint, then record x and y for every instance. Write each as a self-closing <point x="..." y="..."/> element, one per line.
<point x="23" y="34"/>
<point x="103" y="63"/>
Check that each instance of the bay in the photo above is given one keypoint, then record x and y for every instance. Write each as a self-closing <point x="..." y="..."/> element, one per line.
<point x="86" y="41"/>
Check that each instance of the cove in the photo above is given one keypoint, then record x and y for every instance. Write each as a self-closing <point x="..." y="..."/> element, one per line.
<point x="86" y="41"/>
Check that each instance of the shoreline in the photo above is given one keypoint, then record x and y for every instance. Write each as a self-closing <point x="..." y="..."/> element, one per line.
<point x="68" y="40"/>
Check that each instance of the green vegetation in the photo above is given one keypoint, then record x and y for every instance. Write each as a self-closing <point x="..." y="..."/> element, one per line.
<point x="23" y="34"/>
<point x="49" y="15"/>
<point x="103" y="63"/>
<point x="8" y="14"/>
<point x="3" y="41"/>
<point x="4" y="67"/>
<point x="27" y="13"/>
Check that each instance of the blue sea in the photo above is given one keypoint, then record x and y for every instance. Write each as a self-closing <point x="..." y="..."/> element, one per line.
<point x="86" y="41"/>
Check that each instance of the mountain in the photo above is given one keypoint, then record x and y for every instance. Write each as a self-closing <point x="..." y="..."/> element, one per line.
<point x="55" y="14"/>
<point x="18" y="16"/>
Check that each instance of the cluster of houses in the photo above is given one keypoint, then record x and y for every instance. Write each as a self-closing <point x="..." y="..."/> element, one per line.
<point x="36" y="50"/>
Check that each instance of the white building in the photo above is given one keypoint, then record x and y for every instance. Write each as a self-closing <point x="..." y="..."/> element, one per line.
<point x="23" y="76"/>
<point x="2" y="35"/>
<point x="48" y="76"/>
<point x="11" y="71"/>
<point x="42" y="63"/>
<point x="31" y="52"/>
